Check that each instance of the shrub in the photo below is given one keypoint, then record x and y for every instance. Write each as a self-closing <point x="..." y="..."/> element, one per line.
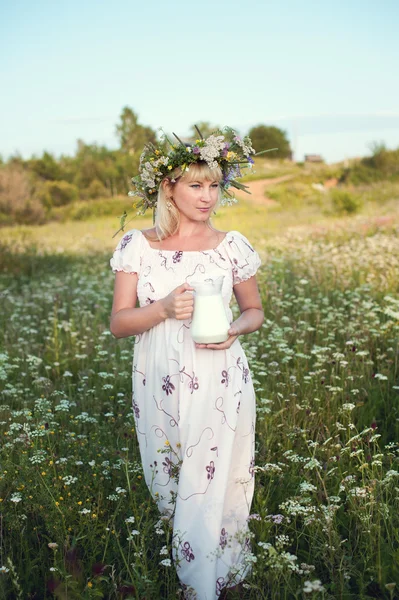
<point x="345" y="202"/>
<point x="382" y="165"/>
<point x="15" y="188"/>
<point x="57" y="193"/>
<point x="360" y="174"/>
<point x="16" y="202"/>
<point x="96" y="189"/>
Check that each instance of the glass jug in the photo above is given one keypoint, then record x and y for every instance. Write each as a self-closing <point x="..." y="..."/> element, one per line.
<point x="210" y="324"/>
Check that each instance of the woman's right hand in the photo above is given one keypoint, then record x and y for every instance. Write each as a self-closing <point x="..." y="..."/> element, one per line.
<point x="178" y="304"/>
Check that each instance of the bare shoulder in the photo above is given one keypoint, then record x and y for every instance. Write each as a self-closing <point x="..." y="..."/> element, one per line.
<point x="220" y="234"/>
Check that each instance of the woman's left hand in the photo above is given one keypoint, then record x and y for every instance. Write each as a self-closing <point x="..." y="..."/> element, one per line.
<point x="233" y="335"/>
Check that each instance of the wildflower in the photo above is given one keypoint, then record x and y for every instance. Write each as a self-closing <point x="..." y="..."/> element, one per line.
<point x="52" y="545"/>
<point x="166" y="562"/>
<point x="313" y="586"/>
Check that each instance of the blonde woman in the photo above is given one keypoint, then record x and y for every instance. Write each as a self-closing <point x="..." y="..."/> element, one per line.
<point x="194" y="404"/>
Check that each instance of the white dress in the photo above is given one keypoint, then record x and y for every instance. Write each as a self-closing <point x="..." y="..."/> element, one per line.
<point x="195" y="415"/>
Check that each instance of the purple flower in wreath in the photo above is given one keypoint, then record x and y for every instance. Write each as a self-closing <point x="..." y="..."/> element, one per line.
<point x="125" y="240"/>
<point x="187" y="552"/>
<point x="168" y="385"/>
<point x="177" y="256"/>
<point x="211" y="470"/>
<point x="196" y="150"/>
<point x="223" y="538"/>
<point x="193" y="384"/>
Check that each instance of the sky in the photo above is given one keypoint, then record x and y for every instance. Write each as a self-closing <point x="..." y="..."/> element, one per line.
<point x="324" y="72"/>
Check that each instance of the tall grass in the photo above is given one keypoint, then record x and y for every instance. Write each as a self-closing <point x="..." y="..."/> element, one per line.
<point x="77" y="520"/>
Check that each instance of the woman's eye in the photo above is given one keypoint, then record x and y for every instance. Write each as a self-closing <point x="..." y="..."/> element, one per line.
<point x="195" y="185"/>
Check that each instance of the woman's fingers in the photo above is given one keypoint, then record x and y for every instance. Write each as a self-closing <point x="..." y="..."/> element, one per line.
<point x="221" y="346"/>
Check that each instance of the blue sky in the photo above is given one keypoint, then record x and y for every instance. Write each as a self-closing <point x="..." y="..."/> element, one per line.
<point x="326" y="72"/>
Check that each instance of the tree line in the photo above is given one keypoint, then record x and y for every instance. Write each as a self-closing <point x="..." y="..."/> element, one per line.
<point x="31" y="189"/>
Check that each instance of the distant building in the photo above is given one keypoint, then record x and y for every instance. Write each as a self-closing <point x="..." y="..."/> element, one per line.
<point x="313" y="158"/>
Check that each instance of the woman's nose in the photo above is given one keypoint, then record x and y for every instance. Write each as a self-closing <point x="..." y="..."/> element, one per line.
<point x="206" y="194"/>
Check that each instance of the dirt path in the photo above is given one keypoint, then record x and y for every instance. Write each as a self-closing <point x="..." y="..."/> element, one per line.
<point x="257" y="189"/>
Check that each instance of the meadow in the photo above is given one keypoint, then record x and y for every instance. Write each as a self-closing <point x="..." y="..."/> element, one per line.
<point x="77" y="521"/>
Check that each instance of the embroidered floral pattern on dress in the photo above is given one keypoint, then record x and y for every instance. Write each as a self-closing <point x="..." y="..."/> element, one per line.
<point x="187" y="552"/>
<point x="219" y="586"/>
<point x="177" y="256"/>
<point x="136" y="409"/>
<point x="125" y="240"/>
<point x="193" y="384"/>
<point x="168" y="386"/>
<point x="223" y="538"/>
<point x="210" y="469"/>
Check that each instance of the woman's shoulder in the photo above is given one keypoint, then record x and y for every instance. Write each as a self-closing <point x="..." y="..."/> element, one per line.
<point x="236" y="236"/>
<point x="129" y="240"/>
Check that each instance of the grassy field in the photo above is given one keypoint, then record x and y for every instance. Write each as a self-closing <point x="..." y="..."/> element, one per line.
<point x="77" y="520"/>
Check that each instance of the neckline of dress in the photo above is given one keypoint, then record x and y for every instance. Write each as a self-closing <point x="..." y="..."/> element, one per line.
<point x="167" y="250"/>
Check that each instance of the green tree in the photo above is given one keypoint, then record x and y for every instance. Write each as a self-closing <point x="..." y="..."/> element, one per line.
<point x="264" y="137"/>
<point x="133" y="136"/>
<point x="46" y="167"/>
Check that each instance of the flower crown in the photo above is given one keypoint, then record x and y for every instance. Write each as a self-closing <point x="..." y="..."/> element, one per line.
<point x="223" y="148"/>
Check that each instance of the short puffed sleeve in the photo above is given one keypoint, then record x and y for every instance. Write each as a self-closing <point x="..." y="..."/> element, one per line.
<point x="244" y="259"/>
<point x="127" y="254"/>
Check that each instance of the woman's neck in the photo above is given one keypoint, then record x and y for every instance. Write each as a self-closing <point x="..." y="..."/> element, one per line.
<point x="190" y="230"/>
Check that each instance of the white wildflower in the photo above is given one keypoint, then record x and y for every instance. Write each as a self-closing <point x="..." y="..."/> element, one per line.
<point x="166" y="562"/>
<point x="313" y="586"/>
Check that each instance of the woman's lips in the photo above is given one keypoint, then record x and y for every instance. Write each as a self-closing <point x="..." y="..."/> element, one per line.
<point x="204" y="209"/>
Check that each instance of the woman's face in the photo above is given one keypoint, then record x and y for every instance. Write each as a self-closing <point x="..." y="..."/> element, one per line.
<point x="195" y="199"/>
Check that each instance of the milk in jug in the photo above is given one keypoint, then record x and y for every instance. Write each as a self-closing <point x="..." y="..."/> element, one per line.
<point x="210" y="324"/>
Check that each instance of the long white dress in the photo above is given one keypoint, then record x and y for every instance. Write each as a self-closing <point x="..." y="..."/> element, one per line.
<point x="195" y="415"/>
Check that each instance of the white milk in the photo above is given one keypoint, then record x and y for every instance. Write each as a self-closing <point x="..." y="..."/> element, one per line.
<point x="210" y="323"/>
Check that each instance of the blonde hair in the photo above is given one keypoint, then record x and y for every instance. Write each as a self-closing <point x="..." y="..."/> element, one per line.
<point x="167" y="220"/>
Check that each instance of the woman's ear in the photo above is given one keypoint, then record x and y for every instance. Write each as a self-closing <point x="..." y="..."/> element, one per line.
<point x="167" y="187"/>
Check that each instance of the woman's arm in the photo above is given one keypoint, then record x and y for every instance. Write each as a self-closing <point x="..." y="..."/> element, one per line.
<point x="251" y="317"/>
<point x="127" y="319"/>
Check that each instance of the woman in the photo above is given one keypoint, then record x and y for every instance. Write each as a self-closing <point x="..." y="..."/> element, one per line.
<point x="194" y="404"/>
